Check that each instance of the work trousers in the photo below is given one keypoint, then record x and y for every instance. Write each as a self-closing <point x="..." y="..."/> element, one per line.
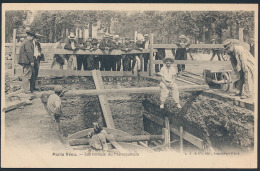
<point x="214" y="54"/>
<point x="92" y="62"/>
<point x="127" y="62"/>
<point x="35" y="72"/>
<point x="116" y="63"/>
<point x="166" y="90"/>
<point x="81" y="60"/>
<point x="27" y="84"/>
<point x="144" y="59"/>
<point x="72" y="62"/>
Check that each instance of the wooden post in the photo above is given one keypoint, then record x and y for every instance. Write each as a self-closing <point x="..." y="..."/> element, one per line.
<point x="151" y="54"/>
<point x="181" y="140"/>
<point x="167" y="132"/>
<point x="241" y="35"/>
<point x="14" y="52"/>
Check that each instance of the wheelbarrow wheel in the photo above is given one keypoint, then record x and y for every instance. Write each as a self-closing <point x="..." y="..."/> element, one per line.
<point x="226" y="78"/>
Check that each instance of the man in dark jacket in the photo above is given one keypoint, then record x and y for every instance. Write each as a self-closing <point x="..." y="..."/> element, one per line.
<point x="117" y="58"/>
<point x="106" y="45"/>
<point x="181" y="52"/>
<point x="127" y="47"/>
<point x="38" y="57"/>
<point x="26" y="60"/>
<point x="82" y="59"/>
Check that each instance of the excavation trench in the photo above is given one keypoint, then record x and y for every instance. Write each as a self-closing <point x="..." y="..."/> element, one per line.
<point x="218" y="123"/>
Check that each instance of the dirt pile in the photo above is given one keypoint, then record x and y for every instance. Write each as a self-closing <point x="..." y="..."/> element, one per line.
<point x="219" y="123"/>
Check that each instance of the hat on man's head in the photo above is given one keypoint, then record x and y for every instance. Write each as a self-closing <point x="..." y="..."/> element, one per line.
<point x="94" y="41"/>
<point x="229" y="42"/>
<point x="182" y="37"/>
<point x="37" y="35"/>
<point x="106" y="35"/>
<point x="168" y="58"/>
<point x="116" y="36"/>
<point x="72" y="36"/>
<point x="89" y="40"/>
<point x="30" y="32"/>
<point x="58" y="88"/>
<point x="146" y="35"/>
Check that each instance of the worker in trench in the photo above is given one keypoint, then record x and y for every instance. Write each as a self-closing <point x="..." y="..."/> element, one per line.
<point x="54" y="105"/>
<point x="168" y="74"/>
<point x="98" y="138"/>
<point x="242" y="62"/>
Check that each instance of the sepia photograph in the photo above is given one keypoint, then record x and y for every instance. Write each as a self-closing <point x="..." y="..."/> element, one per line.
<point x="129" y="85"/>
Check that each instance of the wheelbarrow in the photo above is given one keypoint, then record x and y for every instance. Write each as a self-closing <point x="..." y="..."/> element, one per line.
<point x="222" y="78"/>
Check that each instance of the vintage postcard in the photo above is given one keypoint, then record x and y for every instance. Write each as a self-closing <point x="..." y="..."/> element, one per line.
<point x="129" y="85"/>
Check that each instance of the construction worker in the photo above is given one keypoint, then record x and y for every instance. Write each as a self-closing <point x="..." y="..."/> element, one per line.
<point x="168" y="84"/>
<point x="98" y="138"/>
<point x="243" y="64"/>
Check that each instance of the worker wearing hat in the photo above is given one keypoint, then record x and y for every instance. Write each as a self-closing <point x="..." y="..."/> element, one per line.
<point x="168" y="83"/>
<point x="215" y="51"/>
<point x="181" y="52"/>
<point x="26" y="60"/>
<point x="38" y="57"/>
<point x="106" y="45"/>
<point x="243" y="63"/>
<point x="71" y="44"/>
<point x="98" y="138"/>
<point x="117" y="58"/>
<point x="54" y="103"/>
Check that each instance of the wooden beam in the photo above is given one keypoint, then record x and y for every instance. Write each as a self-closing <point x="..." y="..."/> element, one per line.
<point x="103" y="99"/>
<point x="93" y="92"/>
<point x="85" y="141"/>
<point x="114" y="143"/>
<point x="16" y="104"/>
<point x="192" y="46"/>
<point x="181" y="139"/>
<point x="13" y="52"/>
<point x="193" y="62"/>
<point x="187" y="136"/>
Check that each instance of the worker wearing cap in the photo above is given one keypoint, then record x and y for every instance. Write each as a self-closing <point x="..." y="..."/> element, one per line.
<point x="71" y="44"/>
<point x="117" y="58"/>
<point x="181" y="52"/>
<point x="215" y="51"/>
<point x="168" y="83"/>
<point x="107" y="45"/>
<point x="95" y="58"/>
<point x="26" y="60"/>
<point x="98" y="138"/>
<point x="243" y="64"/>
<point x="54" y="103"/>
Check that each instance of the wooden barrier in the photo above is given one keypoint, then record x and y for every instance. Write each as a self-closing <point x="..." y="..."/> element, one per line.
<point x="132" y="90"/>
<point x="187" y="136"/>
<point x="195" y="62"/>
<point x="85" y="141"/>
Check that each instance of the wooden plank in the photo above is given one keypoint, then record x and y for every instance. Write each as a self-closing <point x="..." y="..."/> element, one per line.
<point x="193" y="62"/>
<point x="103" y="99"/>
<point x="114" y="143"/>
<point x="85" y="132"/>
<point x="192" y="46"/>
<point x="187" y="136"/>
<point x="181" y="139"/>
<point x="93" y="92"/>
<point x="185" y="81"/>
<point x="15" y="104"/>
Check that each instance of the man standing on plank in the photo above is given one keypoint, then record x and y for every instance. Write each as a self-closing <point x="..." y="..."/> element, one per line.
<point x="26" y="60"/>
